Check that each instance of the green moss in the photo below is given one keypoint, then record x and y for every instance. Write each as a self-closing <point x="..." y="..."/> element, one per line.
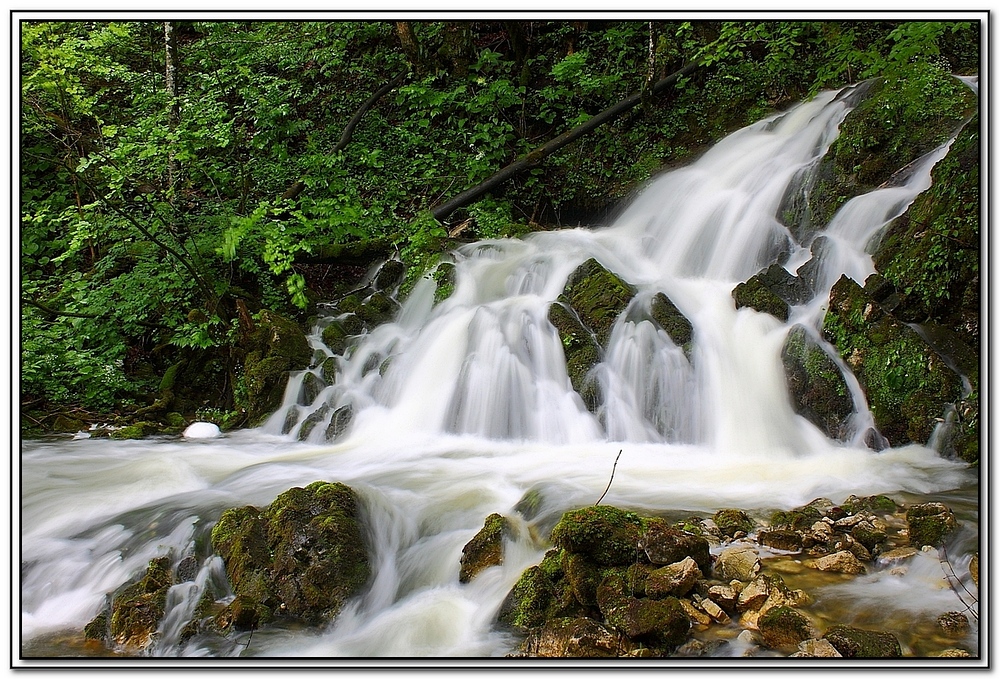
<point x="137" y="610"/>
<point x="486" y="547"/>
<point x="731" y="521"/>
<point x="876" y="504"/>
<point x="853" y="642"/>
<point x="930" y="524"/>
<point x="135" y="431"/>
<point x="798" y="519"/>
<point x="97" y="628"/>
<point x="607" y="535"/>
<point x="817" y="388"/>
<point x="670" y="318"/>
<point x="537" y="595"/>
<point x="783" y="627"/>
<point x="335" y="336"/>
<point x="598" y="297"/>
<point x="754" y="294"/>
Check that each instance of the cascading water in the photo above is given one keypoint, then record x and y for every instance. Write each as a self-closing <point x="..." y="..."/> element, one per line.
<point x="456" y="409"/>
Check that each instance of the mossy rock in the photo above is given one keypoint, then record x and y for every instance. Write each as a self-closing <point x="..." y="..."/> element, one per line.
<point x="658" y="622"/>
<point x="754" y="294"/>
<point x="335" y="336"/>
<point x="68" y="425"/>
<point x="907" y="384"/>
<point x="868" y="535"/>
<point x="576" y="638"/>
<point x="303" y="555"/>
<point x="607" y="535"/>
<point x="598" y="297"/>
<point x="137" y="610"/>
<point x="815" y="384"/>
<point x="390" y="275"/>
<point x="97" y="629"/>
<point x="540" y="594"/>
<point x="732" y="521"/>
<point x="783" y="627"/>
<point x="930" y="523"/>
<point x="137" y="430"/>
<point x="788" y="540"/>
<point x="796" y="519"/>
<point x="485" y="549"/>
<point x="663" y="544"/>
<point x="669" y="317"/>
<point x="581" y="350"/>
<point x="280" y="336"/>
<point x="874" y="504"/>
<point x="377" y="309"/>
<point x="853" y="642"/>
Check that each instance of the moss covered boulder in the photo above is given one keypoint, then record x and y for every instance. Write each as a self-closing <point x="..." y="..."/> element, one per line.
<point x="669" y="317"/>
<point x="540" y="594"/>
<point x="783" y="627"/>
<point x="930" y="523"/>
<point x="815" y="384"/>
<point x="733" y="521"/>
<point x="302" y="556"/>
<point x="137" y="610"/>
<point x="854" y="642"/>
<point x="485" y="549"/>
<point x="663" y="545"/>
<point x="581" y="350"/>
<point x="908" y="385"/>
<point x="598" y="297"/>
<point x="607" y="535"/>
<point x="771" y="291"/>
<point x="576" y="638"/>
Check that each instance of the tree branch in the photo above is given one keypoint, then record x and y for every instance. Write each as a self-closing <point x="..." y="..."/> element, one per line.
<point x="535" y="157"/>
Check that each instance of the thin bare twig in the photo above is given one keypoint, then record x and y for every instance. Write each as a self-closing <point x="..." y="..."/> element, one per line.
<point x="609" y="480"/>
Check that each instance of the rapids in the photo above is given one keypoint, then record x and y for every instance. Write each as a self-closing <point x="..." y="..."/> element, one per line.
<point x="461" y="407"/>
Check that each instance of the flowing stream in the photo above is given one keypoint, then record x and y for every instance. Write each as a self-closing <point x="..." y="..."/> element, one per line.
<point x="461" y="407"/>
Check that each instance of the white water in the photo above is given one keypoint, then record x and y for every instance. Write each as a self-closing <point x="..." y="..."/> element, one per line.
<point x="475" y="408"/>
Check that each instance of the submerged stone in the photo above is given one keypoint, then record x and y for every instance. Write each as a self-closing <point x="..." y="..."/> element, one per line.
<point x="738" y="563"/>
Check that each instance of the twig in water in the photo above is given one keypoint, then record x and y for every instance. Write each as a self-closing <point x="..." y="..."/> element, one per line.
<point x="609" y="480"/>
<point x="952" y="577"/>
<point x="249" y="639"/>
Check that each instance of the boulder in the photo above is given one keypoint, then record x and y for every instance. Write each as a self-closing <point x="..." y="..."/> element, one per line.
<point x="674" y="580"/>
<point x="485" y="549"/>
<point x="839" y="562"/>
<point x="607" y="535"/>
<point x="738" y="563"/>
<point x="954" y="624"/>
<point x="783" y="627"/>
<point x="137" y="610"/>
<point x="302" y="556"/>
<point x="816" y="385"/>
<point x="576" y="638"/>
<point x="786" y="540"/>
<point x="755" y="294"/>
<point x="598" y="297"/>
<point x="669" y="317"/>
<point x="660" y="622"/>
<point x="816" y="648"/>
<point x="582" y="352"/>
<point x="907" y="384"/>
<point x="974" y="569"/>
<point x="853" y="642"/>
<point x="732" y="521"/>
<point x="664" y="544"/>
<point x="275" y="347"/>
<point x="930" y="523"/>
<point x="541" y="593"/>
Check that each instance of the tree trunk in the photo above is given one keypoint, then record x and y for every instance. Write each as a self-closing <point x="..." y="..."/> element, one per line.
<point x="174" y="113"/>
<point x="457" y="49"/>
<point x="411" y="47"/>
<point x="535" y="157"/>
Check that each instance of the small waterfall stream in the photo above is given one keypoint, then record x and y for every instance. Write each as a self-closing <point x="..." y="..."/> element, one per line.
<point x="456" y="409"/>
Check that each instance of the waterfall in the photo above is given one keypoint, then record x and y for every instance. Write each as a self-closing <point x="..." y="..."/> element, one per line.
<point x="457" y="408"/>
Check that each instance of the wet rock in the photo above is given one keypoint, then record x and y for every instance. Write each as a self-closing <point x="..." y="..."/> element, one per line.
<point x="797" y="519"/>
<point x="731" y="521"/>
<point x="275" y="347"/>
<point x="755" y="294"/>
<point x="187" y="569"/>
<point x="753" y="596"/>
<point x="242" y="614"/>
<point x="485" y="549"/>
<point x="907" y="384"/>
<point x="598" y="297"/>
<point x="740" y="563"/>
<point x="930" y="523"/>
<point x="787" y="540"/>
<point x="335" y="336"/>
<point x="840" y="562"/>
<point x="389" y="275"/>
<point x="853" y="642"/>
<point x="954" y="653"/>
<point x="541" y="593"/>
<point x="782" y="627"/>
<point x="874" y="504"/>
<point x="581" y="350"/>
<point x="868" y="535"/>
<point x="664" y="545"/>
<point x="725" y="596"/>
<point x="815" y="384"/>
<point x="607" y="535"/>
<point x="670" y="318"/>
<point x="674" y="580"/>
<point x="97" y="629"/>
<point x="136" y="611"/>
<point x="974" y="569"/>
<point x="302" y="556"/>
<point x="67" y="425"/>
<point x="135" y="431"/>
<point x="314" y="418"/>
<point x="339" y="422"/>
<point x="816" y="648"/>
<point x="712" y="609"/>
<point x="660" y="622"/>
<point x="696" y="615"/>
<point x="377" y="309"/>
<point x="576" y="638"/>
<point x="954" y="624"/>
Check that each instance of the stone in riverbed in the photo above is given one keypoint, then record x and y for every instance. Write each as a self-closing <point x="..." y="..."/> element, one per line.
<point x="607" y="535"/>
<point x="136" y="611"/>
<point x="853" y="642"/>
<point x="930" y="523"/>
<point x="954" y="624"/>
<point x="576" y="638"/>
<point x="787" y="540"/>
<point x="840" y="562"/>
<point x="738" y="563"/>
<point x="782" y="627"/>
<point x="674" y="580"/>
<point x="732" y="521"/>
<point x="816" y="648"/>
<point x="665" y="545"/>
